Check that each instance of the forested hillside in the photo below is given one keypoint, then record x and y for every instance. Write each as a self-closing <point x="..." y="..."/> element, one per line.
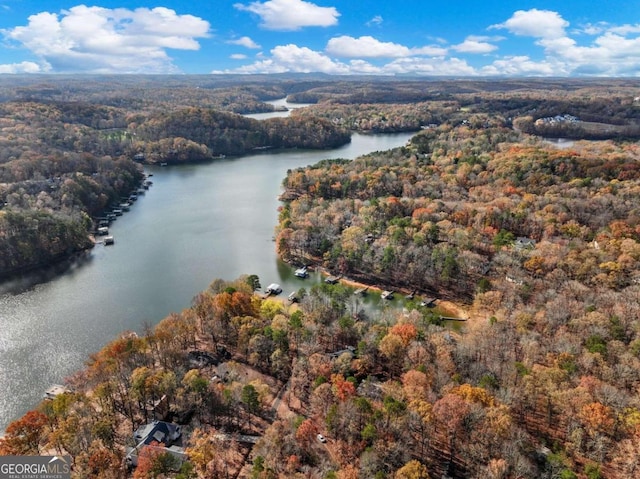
<point x="67" y="150"/>
<point x="197" y="134"/>
<point x="443" y="213"/>
<point x="46" y="205"/>
<point x="535" y="247"/>
<point x="542" y="242"/>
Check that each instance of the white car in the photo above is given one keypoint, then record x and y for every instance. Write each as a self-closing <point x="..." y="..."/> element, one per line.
<point x="321" y="438"/>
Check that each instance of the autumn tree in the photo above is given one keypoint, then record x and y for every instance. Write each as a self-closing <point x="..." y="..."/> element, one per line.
<point x="154" y="462"/>
<point x="23" y="436"/>
<point x="412" y="470"/>
<point x="306" y="432"/>
<point x="201" y="450"/>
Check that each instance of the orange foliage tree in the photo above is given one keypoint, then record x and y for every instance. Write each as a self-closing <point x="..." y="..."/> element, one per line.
<point x="23" y="435"/>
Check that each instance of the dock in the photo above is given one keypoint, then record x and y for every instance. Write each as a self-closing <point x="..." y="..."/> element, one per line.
<point x="332" y="279"/>
<point x="428" y="302"/>
<point x="361" y="291"/>
<point x="450" y="318"/>
<point x="301" y="272"/>
<point x="387" y="295"/>
<point x="272" y="289"/>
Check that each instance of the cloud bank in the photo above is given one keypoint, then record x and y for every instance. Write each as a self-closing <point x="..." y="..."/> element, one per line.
<point x="102" y="40"/>
<point x="530" y="42"/>
<point x="611" y="51"/>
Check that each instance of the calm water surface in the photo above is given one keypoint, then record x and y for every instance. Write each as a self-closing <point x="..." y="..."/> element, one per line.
<point x="196" y="223"/>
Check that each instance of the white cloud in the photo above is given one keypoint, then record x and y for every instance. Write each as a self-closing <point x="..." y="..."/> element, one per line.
<point x="244" y="42"/>
<point x="362" y="67"/>
<point x="535" y="23"/>
<point x="474" y="44"/>
<point x="238" y="56"/>
<point x="375" y="21"/>
<point x="430" y="51"/>
<point x="592" y="28"/>
<point x="520" y="66"/>
<point x="615" y="50"/>
<point x="101" y="40"/>
<point x="291" y="14"/>
<point x="369" y="47"/>
<point x="365" y="47"/>
<point x="23" y="67"/>
<point x="429" y="66"/>
<point x="626" y="29"/>
<point x="292" y="58"/>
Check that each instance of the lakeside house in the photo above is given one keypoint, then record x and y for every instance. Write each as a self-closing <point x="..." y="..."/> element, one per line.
<point x="160" y="435"/>
<point x="350" y="350"/>
<point x="54" y="391"/>
<point x="522" y="242"/>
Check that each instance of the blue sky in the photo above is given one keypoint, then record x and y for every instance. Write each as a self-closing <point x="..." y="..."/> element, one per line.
<point x="419" y="37"/>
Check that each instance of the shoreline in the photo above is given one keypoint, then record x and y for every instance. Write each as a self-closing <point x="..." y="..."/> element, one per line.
<point x="455" y="309"/>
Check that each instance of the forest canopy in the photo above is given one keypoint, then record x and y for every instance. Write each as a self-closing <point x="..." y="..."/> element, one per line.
<point x="535" y="247"/>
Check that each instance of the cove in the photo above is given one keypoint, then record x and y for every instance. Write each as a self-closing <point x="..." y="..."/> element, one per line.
<point x="195" y="224"/>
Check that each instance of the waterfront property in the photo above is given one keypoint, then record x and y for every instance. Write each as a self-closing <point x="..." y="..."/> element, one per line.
<point x="160" y="233"/>
<point x="160" y="435"/>
<point x="54" y="391"/>
<point x="387" y="295"/>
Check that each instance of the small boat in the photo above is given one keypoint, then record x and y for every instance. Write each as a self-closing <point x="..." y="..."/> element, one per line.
<point x="387" y="295"/>
<point x="103" y="231"/>
<point x="109" y="240"/>
<point x="301" y="272"/>
<point x="332" y="279"/>
<point x="293" y="297"/>
<point x="361" y="291"/>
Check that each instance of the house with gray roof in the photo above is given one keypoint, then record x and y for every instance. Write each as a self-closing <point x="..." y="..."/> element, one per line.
<point x="164" y="436"/>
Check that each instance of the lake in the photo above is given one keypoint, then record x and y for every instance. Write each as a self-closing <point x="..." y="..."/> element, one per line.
<point x="195" y="224"/>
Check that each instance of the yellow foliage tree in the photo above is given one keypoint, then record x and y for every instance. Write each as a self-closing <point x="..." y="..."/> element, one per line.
<point x="412" y="470"/>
